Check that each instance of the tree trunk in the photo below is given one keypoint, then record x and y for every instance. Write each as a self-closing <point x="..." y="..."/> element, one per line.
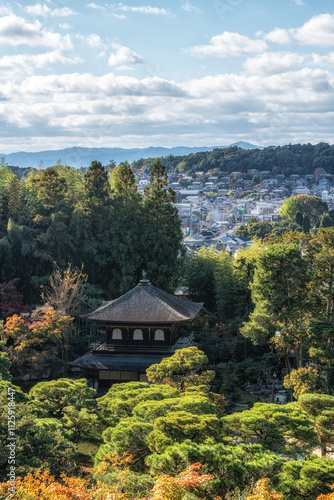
<point x="78" y="435"/>
<point x="64" y="356"/>
<point x="300" y="354"/>
<point x="287" y="363"/>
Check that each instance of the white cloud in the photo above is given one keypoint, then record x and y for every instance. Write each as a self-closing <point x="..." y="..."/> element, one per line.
<point x="38" y="10"/>
<point x="65" y="26"/>
<point x="277" y="35"/>
<point x="63" y="12"/>
<point x="237" y="100"/>
<point x="96" y="6"/>
<point x="325" y="61"/>
<point x="27" y="63"/>
<point x="270" y="63"/>
<point x="188" y="7"/>
<point x="124" y="56"/>
<point x="143" y="9"/>
<point x="88" y="86"/>
<point x="43" y="10"/>
<point x="279" y="98"/>
<point x="94" y="40"/>
<point x="16" y="31"/>
<point x="229" y="44"/>
<point x="319" y="30"/>
<point x="119" y="16"/>
<point x="299" y="2"/>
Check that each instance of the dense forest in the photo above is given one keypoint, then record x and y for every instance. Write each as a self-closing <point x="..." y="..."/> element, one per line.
<point x="59" y="215"/>
<point x="288" y="159"/>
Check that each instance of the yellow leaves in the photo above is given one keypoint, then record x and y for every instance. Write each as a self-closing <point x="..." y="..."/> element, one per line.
<point x="302" y="381"/>
<point x="262" y="491"/>
<point x="115" y="462"/>
<point x="64" y="292"/>
<point x="15" y="326"/>
<point x="42" y="486"/>
<point x="166" y="487"/>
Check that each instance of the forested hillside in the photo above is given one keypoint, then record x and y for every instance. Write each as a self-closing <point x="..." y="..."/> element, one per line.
<point x="59" y="216"/>
<point x="288" y="159"/>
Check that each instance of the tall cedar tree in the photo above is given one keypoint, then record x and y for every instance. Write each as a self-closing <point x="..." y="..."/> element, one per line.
<point x="99" y="214"/>
<point x="127" y="230"/>
<point x="51" y="221"/>
<point x="162" y="238"/>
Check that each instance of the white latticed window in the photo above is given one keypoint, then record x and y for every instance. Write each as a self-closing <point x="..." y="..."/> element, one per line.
<point x="137" y="334"/>
<point x="159" y="335"/>
<point x="117" y="334"/>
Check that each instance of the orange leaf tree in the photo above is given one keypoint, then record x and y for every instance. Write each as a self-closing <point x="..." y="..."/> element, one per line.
<point x="174" y="488"/>
<point x="39" y="340"/>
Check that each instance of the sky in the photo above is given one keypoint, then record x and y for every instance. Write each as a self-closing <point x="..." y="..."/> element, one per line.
<point x="176" y="73"/>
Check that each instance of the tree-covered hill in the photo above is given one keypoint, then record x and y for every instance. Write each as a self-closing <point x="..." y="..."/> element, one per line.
<point x="292" y="158"/>
<point x="288" y="159"/>
<point x="82" y="157"/>
<point x="59" y="215"/>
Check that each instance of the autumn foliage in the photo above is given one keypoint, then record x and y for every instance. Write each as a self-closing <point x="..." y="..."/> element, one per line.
<point x="38" y="340"/>
<point x="262" y="491"/>
<point x="41" y="326"/>
<point x="43" y="486"/>
<point x="65" y="290"/>
<point x="173" y="488"/>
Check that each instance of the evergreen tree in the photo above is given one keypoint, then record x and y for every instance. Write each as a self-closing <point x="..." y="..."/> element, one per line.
<point x="127" y="229"/>
<point x="161" y="239"/>
<point x="6" y="195"/>
<point x="326" y="221"/>
<point x="99" y="214"/>
<point x="52" y="214"/>
<point x="96" y="183"/>
<point x="279" y="294"/>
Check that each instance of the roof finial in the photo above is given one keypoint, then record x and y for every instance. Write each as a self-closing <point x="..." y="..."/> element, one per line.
<point x="144" y="281"/>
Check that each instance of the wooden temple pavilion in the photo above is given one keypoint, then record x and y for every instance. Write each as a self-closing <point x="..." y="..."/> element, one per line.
<point x="141" y="328"/>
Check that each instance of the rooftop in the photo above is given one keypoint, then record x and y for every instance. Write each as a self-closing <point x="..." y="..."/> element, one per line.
<point x="145" y="304"/>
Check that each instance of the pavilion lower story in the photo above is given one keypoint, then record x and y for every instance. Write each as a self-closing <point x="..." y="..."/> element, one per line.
<point x="117" y="367"/>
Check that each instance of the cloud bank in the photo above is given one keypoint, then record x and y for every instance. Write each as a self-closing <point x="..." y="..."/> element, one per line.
<point x="278" y="88"/>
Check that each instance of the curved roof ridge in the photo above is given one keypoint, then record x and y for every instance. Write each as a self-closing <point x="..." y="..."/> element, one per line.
<point x="145" y="304"/>
<point x="181" y="304"/>
<point x="164" y="301"/>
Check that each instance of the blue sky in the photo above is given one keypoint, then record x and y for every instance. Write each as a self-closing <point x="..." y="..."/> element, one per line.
<point x="138" y="74"/>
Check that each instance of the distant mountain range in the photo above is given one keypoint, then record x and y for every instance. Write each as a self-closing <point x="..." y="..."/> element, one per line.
<point x="82" y="157"/>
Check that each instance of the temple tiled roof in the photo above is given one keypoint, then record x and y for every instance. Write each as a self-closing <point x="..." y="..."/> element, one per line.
<point x="117" y="361"/>
<point x="145" y="304"/>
